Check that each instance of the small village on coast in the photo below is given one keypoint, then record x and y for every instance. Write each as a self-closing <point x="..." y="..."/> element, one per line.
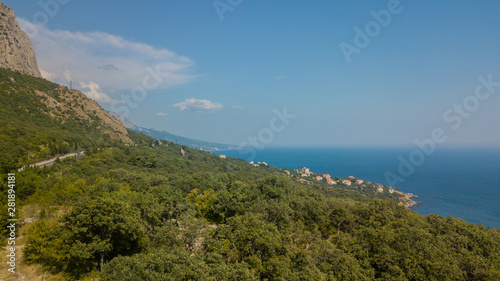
<point x="351" y="183"/>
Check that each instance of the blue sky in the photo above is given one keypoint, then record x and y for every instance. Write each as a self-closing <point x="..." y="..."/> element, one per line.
<point x="224" y="75"/>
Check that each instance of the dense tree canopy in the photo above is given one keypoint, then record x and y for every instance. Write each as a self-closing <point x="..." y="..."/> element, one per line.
<point x="192" y="219"/>
<point x="147" y="212"/>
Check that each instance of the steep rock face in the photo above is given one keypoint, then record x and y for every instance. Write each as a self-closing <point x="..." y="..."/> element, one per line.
<point x="16" y="51"/>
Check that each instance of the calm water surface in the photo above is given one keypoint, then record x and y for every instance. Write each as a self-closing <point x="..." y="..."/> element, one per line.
<point x="462" y="183"/>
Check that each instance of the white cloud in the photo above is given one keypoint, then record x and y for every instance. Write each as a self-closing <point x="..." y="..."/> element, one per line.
<point x="200" y="106"/>
<point x="110" y="61"/>
<point x="67" y="74"/>
<point x="48" y="75"/>
<point x="280" y="77"/>
<point x="93" y="91"/>
<point x="238" y="107"/>
<point x="161" y="114"/>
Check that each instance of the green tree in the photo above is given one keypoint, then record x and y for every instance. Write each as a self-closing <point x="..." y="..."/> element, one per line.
<point x="340" y="217"/>
<point x="45" y="245"/>
<point x="251" y="240"/>
<point x="100" y="229"/>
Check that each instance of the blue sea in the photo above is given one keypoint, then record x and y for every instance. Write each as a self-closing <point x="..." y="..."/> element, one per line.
<point x="458" y="182"/>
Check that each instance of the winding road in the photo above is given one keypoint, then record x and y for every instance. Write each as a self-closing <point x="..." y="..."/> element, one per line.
<point x="51" y="161"/>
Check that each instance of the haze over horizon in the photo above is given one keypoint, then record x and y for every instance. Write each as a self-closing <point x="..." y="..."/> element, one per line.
<point x="364" y="74"/>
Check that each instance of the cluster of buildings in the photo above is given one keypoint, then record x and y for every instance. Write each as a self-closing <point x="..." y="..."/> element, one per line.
<point x="327" y="178"/>
<point x="380" y="189"/>
<point x="305" y="172"/>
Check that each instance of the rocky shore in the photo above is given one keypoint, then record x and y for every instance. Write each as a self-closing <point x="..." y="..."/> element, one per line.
<point x="351" y="183"/>
<point x="407" y="200"/>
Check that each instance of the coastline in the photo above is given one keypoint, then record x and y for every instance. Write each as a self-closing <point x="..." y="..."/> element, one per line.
<point x="351" y="183"/>
<point x="226" y="149"/>
<point x="472" y="193"/>
<point x="407" y="199"/>
<point x="404" y="198"/>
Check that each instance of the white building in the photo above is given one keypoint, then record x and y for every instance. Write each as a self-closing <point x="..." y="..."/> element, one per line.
<point x="304" y="170"/>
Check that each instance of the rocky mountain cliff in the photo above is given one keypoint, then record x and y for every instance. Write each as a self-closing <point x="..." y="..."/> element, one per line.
<point x="16" y="51"/>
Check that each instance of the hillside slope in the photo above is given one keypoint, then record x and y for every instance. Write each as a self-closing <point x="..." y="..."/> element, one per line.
<point x="41" y="119"/>
<point x="167" y="216"/>
<point x="160" y="211"/>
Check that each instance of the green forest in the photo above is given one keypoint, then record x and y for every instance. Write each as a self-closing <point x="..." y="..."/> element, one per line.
<point x="147" y="212"/>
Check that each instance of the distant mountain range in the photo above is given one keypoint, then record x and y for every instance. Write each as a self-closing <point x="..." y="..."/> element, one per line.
<point x="162" y="135"/>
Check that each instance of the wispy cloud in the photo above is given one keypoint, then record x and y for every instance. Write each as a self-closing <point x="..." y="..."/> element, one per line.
<point x="280" y="77"/>
<point x="161" y="114"/>
<point x="108" y="67"/>
<point x="110" y="61"/>
<point x="238" y="107"/>
<point x="200" y="106"/>
<point x="48" y="75"/>
<point x="93" y="91"/>
<point x="67" y="74"/>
